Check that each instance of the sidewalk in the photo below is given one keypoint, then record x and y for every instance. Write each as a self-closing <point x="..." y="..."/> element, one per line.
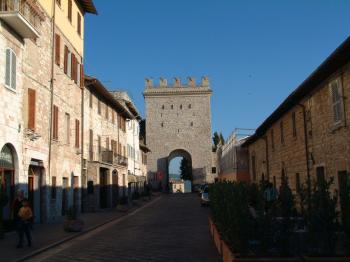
<point x="46" y="235"/>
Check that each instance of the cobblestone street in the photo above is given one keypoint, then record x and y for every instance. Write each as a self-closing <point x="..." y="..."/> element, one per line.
<point x="174" y="228"/>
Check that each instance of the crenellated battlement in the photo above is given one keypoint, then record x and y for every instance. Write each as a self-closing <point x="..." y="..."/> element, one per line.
<point x="176" y="83"/>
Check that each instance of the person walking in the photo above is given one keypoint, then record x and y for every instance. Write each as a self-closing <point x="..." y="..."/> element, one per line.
<point x="16" y="206"/>
<point x="25" y="215"/>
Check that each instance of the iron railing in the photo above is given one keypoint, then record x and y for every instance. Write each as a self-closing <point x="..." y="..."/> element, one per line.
<point x="24" y="7"/>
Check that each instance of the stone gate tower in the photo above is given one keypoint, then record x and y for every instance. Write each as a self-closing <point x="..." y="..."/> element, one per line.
<point x="178" y="123"/>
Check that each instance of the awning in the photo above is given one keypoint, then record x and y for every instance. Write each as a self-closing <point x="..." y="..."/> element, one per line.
<point x="132" y="179"/>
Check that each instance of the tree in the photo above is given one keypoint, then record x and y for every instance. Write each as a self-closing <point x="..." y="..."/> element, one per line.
<point x="185" y="169"/>
<point x="222" y="139"/>
<point x="216" y="140"/>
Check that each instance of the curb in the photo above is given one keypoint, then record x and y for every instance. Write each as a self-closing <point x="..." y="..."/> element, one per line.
<point x="88" y="230"/>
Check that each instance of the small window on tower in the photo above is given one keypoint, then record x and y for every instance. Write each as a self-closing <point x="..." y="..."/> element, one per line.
<point x="163" y="107"/>
<point x="180" y="106"/>
<point x="191" y="123"/>
<point x="162" y="124"/>
<point x="172" y="106"/>
<point x="189" y="106"/>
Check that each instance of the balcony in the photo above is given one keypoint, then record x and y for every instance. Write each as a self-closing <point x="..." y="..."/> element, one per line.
<point x="121" y="160"/>
<point x="107" y="157"/>
<point x="22" y="15"/>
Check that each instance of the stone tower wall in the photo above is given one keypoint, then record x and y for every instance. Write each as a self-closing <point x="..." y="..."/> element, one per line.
<point x="178" y="117"/>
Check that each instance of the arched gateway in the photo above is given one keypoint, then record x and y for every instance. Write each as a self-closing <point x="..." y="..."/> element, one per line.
<point x="178" y="122"/>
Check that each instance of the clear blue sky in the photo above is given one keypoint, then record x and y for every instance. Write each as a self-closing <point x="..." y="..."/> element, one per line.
<point x="255" y="52"/>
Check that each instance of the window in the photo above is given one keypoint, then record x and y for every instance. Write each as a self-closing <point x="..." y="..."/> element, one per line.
<point x="99" y="144"/>
<point x="191" y="123"/>
<point x="69" y="64"/>
<point x="57" y="49"/>
<point x="98" y="106"/>
<point x="79" y="24"/>
<point x="272" y="139"/>
<point x="70" y="10"/>
<point x="163" y="107"/>
<point x="10" y="73"/>
<point x="31" y="108"/>
<point x="106" y="112"/>
<point x="77" y="133"/>
<point x="113" y="117"/>
<point x="107" y="143"/>
<point x="53" y="188"/>
<point x="282" y="133"/>
<point x="73" y="69"/>
<point x="55" y="123"/>
<point x="172" y="106"/>
<point x="180" y="106"/>
<point x="337" y="105"/>
<point x="297" y="182"/>
<point x="320" y="174"/>
<point x="253" y="168"/>
<point x="67" y="120"/>
<point x="91" y="144"/>
<point x="162" y="124"/>
<point x="189" y="106"/>
<point x="294" y="125"/>
<point x="90" y="99"/>
<point x="213" y="170"/>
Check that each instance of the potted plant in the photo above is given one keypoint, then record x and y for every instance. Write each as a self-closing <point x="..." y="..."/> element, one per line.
<point x="3" y="203"/>
<point x="72" y="222"/>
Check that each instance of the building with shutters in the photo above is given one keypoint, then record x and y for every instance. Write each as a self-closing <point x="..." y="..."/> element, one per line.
<point x="41" y="86"/>
<point x="105" y="163"/>
<point x="136" y="153"/>
<point x="308" y="136"/>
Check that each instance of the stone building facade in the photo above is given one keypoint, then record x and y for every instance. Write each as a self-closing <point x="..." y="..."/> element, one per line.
<point x="178" y="123"/>
<point x="136" y="175"/>
<point x="105" y="163"/>
<point x="307" y="136"/>
<point x="36" y="76"/>
<point x="233" y="160"/>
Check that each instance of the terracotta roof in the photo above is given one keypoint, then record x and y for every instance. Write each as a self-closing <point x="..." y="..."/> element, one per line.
<point x="339" y="58"/>
<point x="96" y="86"/>
<point x="88" y="6"/>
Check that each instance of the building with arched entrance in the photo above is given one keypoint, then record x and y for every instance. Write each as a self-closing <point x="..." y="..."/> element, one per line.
<point x="178" y="123"/>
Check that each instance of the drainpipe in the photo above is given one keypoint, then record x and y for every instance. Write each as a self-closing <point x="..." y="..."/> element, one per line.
<point x="267" y="158"/>
<point x="82" y="188"/>
<point x="306" y="150"/>
<point x="51" y="87"/>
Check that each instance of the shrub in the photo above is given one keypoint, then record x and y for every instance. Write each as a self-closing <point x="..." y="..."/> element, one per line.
<point x="322" y="217"/>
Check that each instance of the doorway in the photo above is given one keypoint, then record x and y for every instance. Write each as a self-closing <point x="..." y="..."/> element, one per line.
<point x="64" y="196"/>
<point x="103" y="188"/>
<point x="7" y="178"/>
<point x="36" y="195"/>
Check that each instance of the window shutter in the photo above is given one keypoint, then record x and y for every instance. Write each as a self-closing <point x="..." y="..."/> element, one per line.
<point x="65" y="59"/>
<point x="79" y="24"/>
<point x="336" y="102"/>
<point x="72" y="67"/>
<point x="55" y="123"/>
<point x="8" y="68"/>
<point x="31" y="108"/>
<point x="82" y="75"/>
<point x="70" y="10"/>
<point x="58" y="48"/>
<point x="13" y="70"/>
<point x="77" y="130"/>
<point x="78" y="74"/>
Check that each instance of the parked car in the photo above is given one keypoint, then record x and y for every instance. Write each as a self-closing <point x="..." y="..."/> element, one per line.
<point x="205" y="197"/>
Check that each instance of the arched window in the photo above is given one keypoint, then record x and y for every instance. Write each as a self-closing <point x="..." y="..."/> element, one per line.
<point x="6" y="158"/>
<point x="10" y="69"/>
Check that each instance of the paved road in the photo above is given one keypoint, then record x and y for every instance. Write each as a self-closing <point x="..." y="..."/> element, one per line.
<point x="174" y="228"/>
